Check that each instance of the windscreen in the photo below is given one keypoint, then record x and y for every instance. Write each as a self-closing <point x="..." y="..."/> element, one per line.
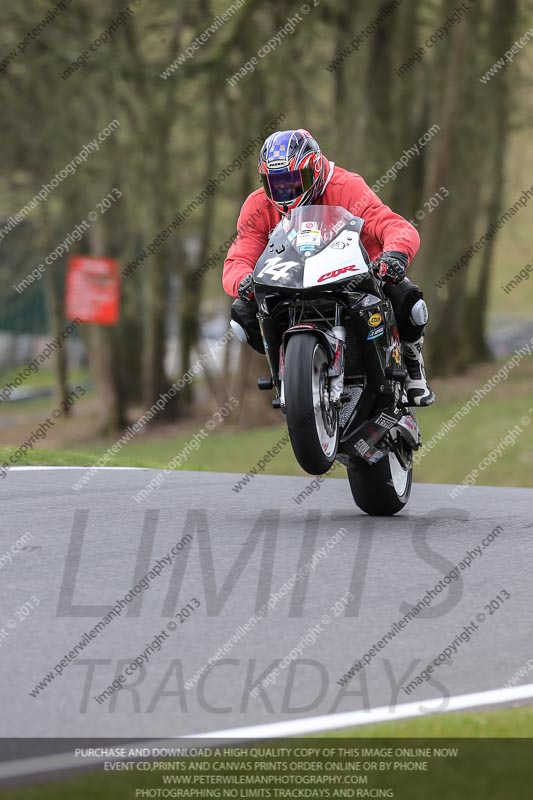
<point x="311" y="228"/>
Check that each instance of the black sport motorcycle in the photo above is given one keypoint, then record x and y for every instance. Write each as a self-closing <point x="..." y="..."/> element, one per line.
<point x="335" y="356"/>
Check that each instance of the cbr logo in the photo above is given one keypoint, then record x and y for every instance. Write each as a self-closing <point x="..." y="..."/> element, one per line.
<point x="336" y="273"/>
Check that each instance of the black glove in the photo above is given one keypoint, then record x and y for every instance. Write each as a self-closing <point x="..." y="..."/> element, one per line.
<point x="246" y="289"/>
<point x="391" y="266"/>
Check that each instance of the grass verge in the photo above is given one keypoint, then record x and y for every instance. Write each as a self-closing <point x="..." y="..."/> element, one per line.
<point x="228" y="449"/>
<point x="492" y="769"/>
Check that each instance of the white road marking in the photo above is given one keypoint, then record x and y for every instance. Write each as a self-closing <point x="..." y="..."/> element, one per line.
<point x="355" y="719"/>
<point x="19" y="469"/>
<point x="297" y="727"/>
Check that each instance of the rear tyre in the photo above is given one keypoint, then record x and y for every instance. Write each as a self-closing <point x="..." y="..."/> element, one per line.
<point x="381" y="489"/>
<point x="313" y="423"/>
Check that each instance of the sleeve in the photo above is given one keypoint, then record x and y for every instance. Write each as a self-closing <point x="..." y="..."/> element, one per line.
<point x="391" y="230"/>
<point x="252" y="238"/>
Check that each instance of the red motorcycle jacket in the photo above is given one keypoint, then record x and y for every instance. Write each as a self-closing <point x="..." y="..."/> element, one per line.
<point x="383" y="229"/>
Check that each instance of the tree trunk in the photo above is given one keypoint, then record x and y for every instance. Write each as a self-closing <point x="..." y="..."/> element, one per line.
<point x="60" y="359"/>
<point x="501" y="35"/>
<point x="378" y="145"/>
<point x="409" y="114"/>
<point x="457" y="157"/>
<point x="103" y="357"/>
<point x="190" y="301"/>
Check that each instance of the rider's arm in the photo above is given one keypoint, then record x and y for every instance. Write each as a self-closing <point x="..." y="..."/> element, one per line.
<point x="253" y="227"/>
<point x="383" y="225"/>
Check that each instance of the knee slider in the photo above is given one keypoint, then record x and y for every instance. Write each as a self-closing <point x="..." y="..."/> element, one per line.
<point x="245" y="324"/>
<point x="419" y="313"/>
<point x="240" y="333"/>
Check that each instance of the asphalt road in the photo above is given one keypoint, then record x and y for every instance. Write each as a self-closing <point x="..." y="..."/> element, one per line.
<point x="88" y="548"/>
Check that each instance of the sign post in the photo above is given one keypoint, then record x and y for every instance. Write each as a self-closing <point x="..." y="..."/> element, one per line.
<point x="93" y="289"/>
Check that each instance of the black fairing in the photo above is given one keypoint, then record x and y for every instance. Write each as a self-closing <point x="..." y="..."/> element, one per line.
<point x="372" y="345"/>
<point x="280" y="247"/>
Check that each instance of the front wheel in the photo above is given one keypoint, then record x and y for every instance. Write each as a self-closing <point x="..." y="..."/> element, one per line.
<point x="381" y="489"/>
<point x="312" y="421"/>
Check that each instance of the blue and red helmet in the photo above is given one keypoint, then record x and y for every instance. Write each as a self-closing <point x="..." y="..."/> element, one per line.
<point x="292" y="168"/>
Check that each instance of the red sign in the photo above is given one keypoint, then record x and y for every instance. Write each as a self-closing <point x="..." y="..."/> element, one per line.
<point x="93" y="289"/>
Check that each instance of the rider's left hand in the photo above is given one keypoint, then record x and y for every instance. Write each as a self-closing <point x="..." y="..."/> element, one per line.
<point x="391" y="266"/>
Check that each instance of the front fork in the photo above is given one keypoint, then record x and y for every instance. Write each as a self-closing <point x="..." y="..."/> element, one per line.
<point x="336" y="371"/>
<point x="334" y="341"/>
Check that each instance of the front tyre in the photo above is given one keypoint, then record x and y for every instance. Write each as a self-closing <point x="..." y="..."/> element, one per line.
<point x="312" y="421"/>
<point x="381" y="489"/>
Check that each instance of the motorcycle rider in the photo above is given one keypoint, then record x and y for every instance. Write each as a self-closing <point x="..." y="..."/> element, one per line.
<point x="294" y="172"/>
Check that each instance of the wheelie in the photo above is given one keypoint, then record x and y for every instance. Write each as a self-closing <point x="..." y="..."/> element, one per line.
<point x="322" y="292"/>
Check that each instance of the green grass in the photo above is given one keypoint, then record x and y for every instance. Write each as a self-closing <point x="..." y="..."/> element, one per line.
<point x="507" y="723"/>
<point x="454" y="456"/>
<point x="43" y="379"/>
<point x="238" y="451"/>
<point x="492" y="770"/>
<point x="229" y="449"/>
<point x="463" y="448"/>
<point x="513" y="243"/>
<point x="450" y="460"/>
<point x="61" y="458"/>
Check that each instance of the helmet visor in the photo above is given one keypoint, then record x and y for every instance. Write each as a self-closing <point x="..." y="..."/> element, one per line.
<point x="284" y="187"/>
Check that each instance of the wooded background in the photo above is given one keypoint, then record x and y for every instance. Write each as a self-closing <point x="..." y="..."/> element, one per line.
<point x="178" y="132"/>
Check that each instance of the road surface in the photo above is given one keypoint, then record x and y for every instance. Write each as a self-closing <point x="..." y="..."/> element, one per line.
<point x="336" y="582"/>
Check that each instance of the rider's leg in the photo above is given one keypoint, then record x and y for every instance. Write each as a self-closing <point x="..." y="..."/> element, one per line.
<point x="246" y="325"/>
<point x="411" y="315"/>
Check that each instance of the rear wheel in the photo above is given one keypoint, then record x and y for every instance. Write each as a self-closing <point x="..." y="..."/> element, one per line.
<point x="312" y="421"/>
<point x="382" y="489"/>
